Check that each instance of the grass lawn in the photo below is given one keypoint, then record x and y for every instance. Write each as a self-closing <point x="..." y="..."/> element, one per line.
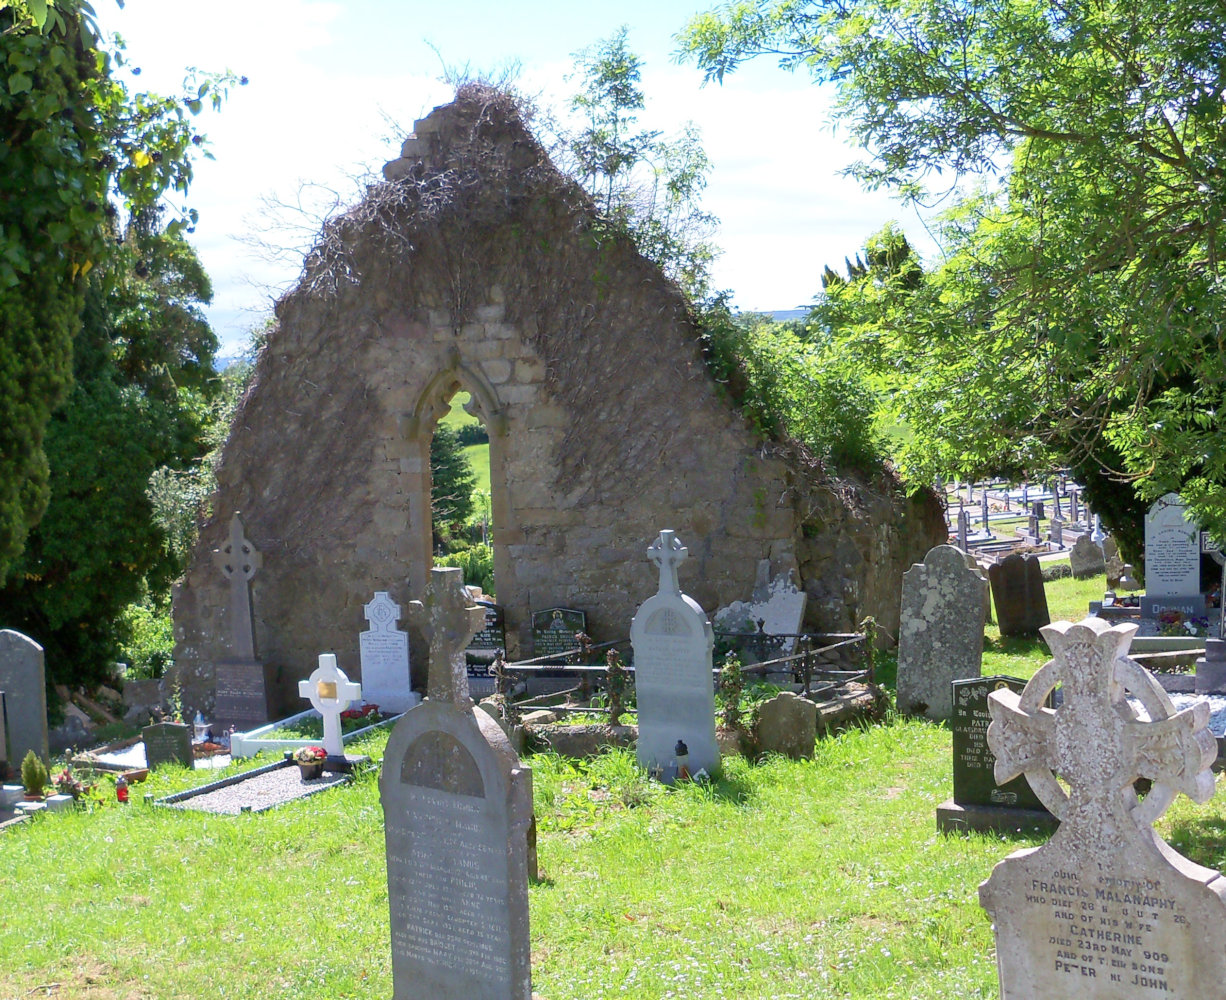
<point x="823" y="878"/>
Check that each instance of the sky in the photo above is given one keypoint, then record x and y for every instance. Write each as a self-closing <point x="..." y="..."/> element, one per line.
<point x="334" y="86"/>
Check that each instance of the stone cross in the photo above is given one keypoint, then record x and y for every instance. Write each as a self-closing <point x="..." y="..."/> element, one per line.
<point x="1096" y="741"/>
<point x="330" y="693"/>
<point x="668" y="553"/>
<point x="449" y="619"/>
<point x="238" y="561"/>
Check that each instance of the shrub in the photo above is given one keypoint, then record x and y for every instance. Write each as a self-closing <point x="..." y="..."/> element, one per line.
<point x="34" y="773"/>
<point x="477" y="562"/>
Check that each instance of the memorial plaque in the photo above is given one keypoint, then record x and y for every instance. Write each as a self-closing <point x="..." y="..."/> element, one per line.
<point x="673" y="643"/>
<point x="493" y="634"/>
<point x="23" y="681"/>
<point x="167" y="743"/>
<point x="241" y="701"/>
<point x="974" y="783"/>
<point x="457" y="807"/>
<point x="553" y="630"/>
<point x="1105" y="910"/>
<point x="384" y="652"/>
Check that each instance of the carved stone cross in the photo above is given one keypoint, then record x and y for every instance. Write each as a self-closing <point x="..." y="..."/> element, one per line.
<point x="449" y="620"/>
<point x="668" y="553"/>
<point x="1095" y="740"/>
<point x="330" y="692"/>
<point x="238" y="561"/>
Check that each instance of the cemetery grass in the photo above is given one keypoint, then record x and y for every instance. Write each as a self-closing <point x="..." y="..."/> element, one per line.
<point x="784" y="879"/>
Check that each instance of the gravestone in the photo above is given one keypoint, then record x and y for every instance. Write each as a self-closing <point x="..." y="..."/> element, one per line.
<point x="964" y="529"/>
<point x="1025" y="496"/>
<point x="493" y="633"/>
<point x="984" y="511"/>
<point x="167" y="743"/>
<point x="4" y="741"/>
<point x="1017" y="592"/>
<point x="673" y="642"/>
<point x="1074" y="512"/>
<point x="1085" y="558"/>
<point x="940" y="632"/>
<point x="384" y="651"/>
<point x="1105" y="909"/>
<point x="1055" y="529"/>
<point x="1172" y="560"/>
<point x="777" y="603"/>
<point x="457" y="807"/>
<point x="787" y="725"/>
<point x="1113" y="563"/>
<point x="553" y="631"/>
<point x="1032" y="528"/>
<point x="241" y="699"/>
<point x="25" y="687"/>
<point x="330" y="692"/>
<point x="1211" y="668"/>
<point x="978" y="802"/>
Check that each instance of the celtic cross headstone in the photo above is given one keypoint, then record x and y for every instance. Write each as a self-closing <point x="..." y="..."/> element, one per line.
<point x="457" y="807"/>
<point x="330" y="692"/>
<point x="1105" y="909"/>
<point x="241" y="700"/>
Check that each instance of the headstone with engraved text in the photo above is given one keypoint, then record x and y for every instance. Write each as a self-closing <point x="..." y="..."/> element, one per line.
<point x="1105" y="910"/>
<point x="241" y="699"/>
<point x="457" y="807"/>
<point x="1172" y="560"/>
<point x="167" y="743"/>
<point x="553" y="631"/>
<point x="673" y="643"/>
<point x="384" y="650"/>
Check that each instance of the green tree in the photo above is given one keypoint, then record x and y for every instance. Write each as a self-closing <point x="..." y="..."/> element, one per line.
<point x="139" y="403"/>
<point x="451" y="481"/>
<point x="643" y="183"/>
<point x="1077" y="312"/>
<point x="74" y="138"/>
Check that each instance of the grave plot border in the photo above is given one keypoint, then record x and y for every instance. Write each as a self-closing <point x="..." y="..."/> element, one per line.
<point x="344" y="777"/>
<point x="244" y="745"/>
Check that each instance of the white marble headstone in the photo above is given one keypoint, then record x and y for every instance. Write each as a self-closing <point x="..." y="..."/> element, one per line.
<point x="384" y="649"/>
<point x="778" y="603"/>
<point x="1106" y="910"/>
<point x="673" y="642"/>
<point x="1172" y="550"/>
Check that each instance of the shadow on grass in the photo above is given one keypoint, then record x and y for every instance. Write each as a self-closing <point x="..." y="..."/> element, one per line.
<point x="1014" y="645"/>
<point x="1202" y="840"/>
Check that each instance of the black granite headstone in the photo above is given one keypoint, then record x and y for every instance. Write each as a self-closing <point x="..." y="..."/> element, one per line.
<point x="167" y="743"/>
<point x="1017" y="591"/>
<point x="493" y="634"/>
<point x="241" y="699"/>
<point x="553" y="630"/>
<point x="974" y="784"/>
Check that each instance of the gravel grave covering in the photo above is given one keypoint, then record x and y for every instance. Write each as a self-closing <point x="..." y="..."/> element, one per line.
<point x="256" y="790"/>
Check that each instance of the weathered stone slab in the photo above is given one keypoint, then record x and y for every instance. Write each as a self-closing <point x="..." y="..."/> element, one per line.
<point x="940" y="634"/>
<point x="673" y="643"/>
<point x="24" y="684"/>
<point x="167" y="743"/>
<point x="777" y="603"/>
<point x="1086" y="558"/>
<point x="384" y="652"/>
<point x="457" y="808"/>
<point x="1017" y="591"/>
<point x="1105" y="910"/>
<point x="787" y="724"/>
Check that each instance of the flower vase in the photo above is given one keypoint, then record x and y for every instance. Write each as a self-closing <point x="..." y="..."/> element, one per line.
<point x="311" y="771"/>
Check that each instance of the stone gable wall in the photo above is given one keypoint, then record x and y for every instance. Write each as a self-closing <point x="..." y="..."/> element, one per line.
<point x="605" y="426"/>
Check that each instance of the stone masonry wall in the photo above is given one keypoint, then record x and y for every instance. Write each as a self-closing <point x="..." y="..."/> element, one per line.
<point x="605" y="427"/>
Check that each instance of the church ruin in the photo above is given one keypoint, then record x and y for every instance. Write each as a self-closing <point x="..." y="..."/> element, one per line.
<point x="478" y="267"/>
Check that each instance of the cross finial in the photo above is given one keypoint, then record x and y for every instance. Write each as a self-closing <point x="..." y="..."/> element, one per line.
<point x="330" y="692"/>
<point x="449" y="620"/>
<point x="237" y="558"/>
<point x="1095" y="740"/>
<point x="668" y="553"/>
